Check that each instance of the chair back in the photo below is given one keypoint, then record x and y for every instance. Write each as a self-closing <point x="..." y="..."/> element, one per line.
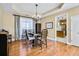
<point x="29" y="35"/>
<point x="44" y="34"/>
<point x="26" y="34"/>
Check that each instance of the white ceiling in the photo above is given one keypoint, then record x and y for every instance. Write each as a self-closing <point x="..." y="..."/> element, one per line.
<point x="64" y="7"/>
<point x="28" y="9"/>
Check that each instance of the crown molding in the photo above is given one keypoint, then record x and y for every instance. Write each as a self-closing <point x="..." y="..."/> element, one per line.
<point x="56" y="8"/>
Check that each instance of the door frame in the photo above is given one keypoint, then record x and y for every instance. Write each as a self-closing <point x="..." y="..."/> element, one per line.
<point x="71" y="31"/>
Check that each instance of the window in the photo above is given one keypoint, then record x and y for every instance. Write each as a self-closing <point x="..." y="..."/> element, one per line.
<point x="26" y="24"/>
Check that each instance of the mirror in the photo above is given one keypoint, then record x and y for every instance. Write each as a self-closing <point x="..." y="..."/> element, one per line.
<point x="62" y="25"/>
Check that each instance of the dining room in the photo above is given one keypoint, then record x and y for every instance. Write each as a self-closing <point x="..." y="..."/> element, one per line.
<point x="39" y="29"/>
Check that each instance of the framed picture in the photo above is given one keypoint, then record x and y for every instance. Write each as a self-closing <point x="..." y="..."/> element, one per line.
<point x="49" y="25"/>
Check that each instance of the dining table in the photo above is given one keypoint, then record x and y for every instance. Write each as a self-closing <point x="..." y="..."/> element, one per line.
<point x="36" y="39"/>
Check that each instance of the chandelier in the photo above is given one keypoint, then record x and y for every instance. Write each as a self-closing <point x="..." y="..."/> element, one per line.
<point x="37" y="16"/>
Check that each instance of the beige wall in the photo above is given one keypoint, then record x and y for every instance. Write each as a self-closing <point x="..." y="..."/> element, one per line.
<point x="7" y="21"/>
<point x="70" y="12"/>
<point x="1" y="16"/>
<point x="50" y="31"/>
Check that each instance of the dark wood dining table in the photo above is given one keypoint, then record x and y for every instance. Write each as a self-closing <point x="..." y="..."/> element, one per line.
<point x="36" y="39"/>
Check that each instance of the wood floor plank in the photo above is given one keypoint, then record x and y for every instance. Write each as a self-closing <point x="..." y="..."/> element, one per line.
<point x="19" y="48"/>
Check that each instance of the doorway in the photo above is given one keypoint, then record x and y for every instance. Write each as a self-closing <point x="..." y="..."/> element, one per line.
<point x="75" y="30"/>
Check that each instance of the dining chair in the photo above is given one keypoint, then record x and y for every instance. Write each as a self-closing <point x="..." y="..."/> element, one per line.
<point x="30" y="38"/>
<point x="43" y="39"/>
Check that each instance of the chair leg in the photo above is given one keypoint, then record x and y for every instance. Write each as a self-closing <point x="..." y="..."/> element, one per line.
<point x="27" y="43"/>
<point x="41" y="44"/>
<point x="32" y="43"/>
<point x="46" y="43"/>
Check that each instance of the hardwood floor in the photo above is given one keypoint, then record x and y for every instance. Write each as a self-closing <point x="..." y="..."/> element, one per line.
<point x="20" y="48"/>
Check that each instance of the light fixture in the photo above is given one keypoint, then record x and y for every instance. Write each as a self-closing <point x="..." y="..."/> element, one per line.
<point x="36" y="9"/>
<point x="36" y="16"/>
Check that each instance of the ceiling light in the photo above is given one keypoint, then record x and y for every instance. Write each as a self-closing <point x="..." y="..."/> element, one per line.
<point x="36" y="16"/>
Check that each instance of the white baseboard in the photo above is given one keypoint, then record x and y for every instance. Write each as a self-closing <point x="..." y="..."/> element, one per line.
<point x="51" y="38"/>
<point x="69" y="43"/>
<point x="73" y="44"/>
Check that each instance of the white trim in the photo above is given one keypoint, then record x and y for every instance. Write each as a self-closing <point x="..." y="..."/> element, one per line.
<point x="57" y="40"/>
<point x="51" y="38"/>
<point x="69" y="44"/>
<point x="72" y="44"/>
<point x="68" y="27"/>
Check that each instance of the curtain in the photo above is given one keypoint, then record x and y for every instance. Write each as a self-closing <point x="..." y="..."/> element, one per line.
<point x="17" y="27"/>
